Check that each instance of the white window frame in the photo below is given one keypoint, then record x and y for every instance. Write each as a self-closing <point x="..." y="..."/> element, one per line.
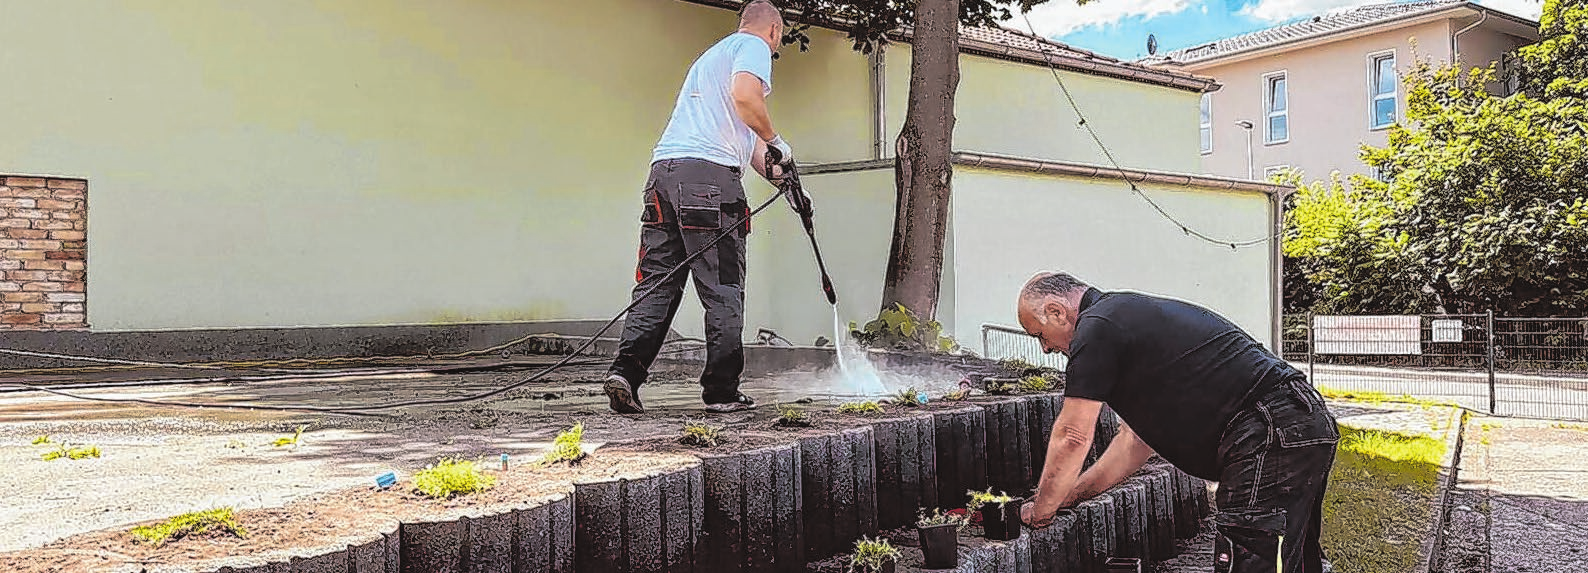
<point x="1270" y="171"/>
<point x="1372" y="90"/>
<point x="1207" y="100"/>
<point x="1268" y="79"/>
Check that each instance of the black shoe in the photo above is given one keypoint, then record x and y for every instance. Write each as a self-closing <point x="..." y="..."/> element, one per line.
<point x="739" y="403"/>
<point x="621" y="396"/>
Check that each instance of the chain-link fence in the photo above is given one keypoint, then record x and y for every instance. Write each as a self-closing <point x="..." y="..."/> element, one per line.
<point x="1534" y="367"/>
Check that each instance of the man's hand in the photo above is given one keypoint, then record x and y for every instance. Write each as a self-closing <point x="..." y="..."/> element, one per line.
<point x="1028" y="515"/>
<point x="779" y="159"/>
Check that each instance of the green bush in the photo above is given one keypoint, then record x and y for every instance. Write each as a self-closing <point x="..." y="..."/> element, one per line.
<point x="451" y="477"/>
<point x="199" y="522"/>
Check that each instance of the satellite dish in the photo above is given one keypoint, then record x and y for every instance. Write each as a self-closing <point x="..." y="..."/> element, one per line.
<point x="1152" y="45"/>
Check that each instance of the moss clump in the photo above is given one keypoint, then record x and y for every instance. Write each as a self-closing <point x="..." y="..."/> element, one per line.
<point x="451" y="477"/>
<point x="567" y="447"/>
<point x="868" y="407"/>
<point x="701" y="434"/>
<point x="790" y="417"/>
<point x="871" y="554"/>
<point x="220" y="520"/>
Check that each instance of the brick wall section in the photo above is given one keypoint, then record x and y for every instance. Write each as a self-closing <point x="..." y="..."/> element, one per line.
<point x="43" y="253"/>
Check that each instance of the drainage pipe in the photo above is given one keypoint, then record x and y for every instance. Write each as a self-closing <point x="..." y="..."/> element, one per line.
<point x="1455" y="46"/>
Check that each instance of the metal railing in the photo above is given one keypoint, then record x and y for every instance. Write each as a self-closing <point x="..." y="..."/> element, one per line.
<point x="1000" y="342"/>
<point x="1533" y="367"/>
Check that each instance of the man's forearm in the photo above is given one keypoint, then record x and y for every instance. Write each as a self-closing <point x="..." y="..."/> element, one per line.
<point x="1125" y="454"/>
<point x="1066" y="454"/>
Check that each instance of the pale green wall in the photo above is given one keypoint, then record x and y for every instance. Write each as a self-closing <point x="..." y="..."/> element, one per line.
<point x="1009" y="226"/>
<point x="361" y="161"/>
<point x="1017" y="109"/>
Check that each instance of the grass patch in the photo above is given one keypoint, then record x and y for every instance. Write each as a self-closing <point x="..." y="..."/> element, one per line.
<point x="451" y="477"/>
<point x="567" y="447"/>
<point x="789" y="416"/>
<point x="1381" y="491"/>
<point x="869" y="407"/>
<point x="219" y="520"/>
<point x="1372" y="397"/>
<point x="701" y="434"/>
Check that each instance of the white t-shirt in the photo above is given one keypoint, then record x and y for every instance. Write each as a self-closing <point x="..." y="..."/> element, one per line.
<point x="705" y="124"/>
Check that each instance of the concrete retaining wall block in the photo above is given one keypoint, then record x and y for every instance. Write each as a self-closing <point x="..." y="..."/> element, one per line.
<point x="1097" y="531"/>
<point x="1131" y="537"/>
<point x="545" y="537"/>
<point x="1107" y="428"/>
<point x="1041" y="411"/>
<point x="961" y="454"/>
<point x="906" y="469"/>
<point x="839" y="479"/>
<point x="754" y="516"/>
<point x="1160" y="514"/>
<point x="1008" y="446"/>
<point x="1057" y="547"/>
<point x="642" y="525"/>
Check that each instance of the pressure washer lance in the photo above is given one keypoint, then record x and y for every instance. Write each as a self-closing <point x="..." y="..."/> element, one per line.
<point x="795" y="193"/>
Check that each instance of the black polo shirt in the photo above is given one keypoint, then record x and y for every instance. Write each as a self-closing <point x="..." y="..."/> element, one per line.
<point x="1175" y="372"/>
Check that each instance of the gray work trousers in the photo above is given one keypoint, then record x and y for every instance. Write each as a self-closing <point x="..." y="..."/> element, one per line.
<point x="689" y="202"/>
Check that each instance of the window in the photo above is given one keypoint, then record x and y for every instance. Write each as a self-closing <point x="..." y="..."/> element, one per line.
<point x="1276" y="104"/>
<point x="1207" y="123"/>
<point x="1382" y="88"/>
<point x="1273" y="171"/>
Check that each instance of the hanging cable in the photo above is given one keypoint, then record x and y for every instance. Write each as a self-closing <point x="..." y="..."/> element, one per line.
<point x="1047" y="58"/>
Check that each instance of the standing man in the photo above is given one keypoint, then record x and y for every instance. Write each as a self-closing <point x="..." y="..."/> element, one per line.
<point x="1194" y="388"/>
<point x="719" y="126"/>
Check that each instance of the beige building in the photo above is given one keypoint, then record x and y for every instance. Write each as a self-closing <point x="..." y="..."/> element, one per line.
<point x="1309" y="94"/>
<point x="370" y="163"/>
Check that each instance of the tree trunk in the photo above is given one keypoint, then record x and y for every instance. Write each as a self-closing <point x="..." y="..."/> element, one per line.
<point x="922" y="168"/>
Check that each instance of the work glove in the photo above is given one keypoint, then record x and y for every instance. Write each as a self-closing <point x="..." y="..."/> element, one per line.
<point x="781" y="156"/>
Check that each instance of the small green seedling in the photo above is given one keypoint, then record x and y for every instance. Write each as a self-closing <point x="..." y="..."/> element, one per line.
<point x="981" y="498"/>
<point x="1035" y="384"/>
<point x="72" y="453"/>
<point x="908" y="397"/>
<point x="45" y="439"/>
<point x="292" y="441"/>
<point x="701" y="434"/>
<point x="997" y="388"/>
<point x="957" y="395"/>
<point x="567" y="447"/>
<point x="452" y="477"/>
<point x="790" y="417"/>
<point x="868" y="407"/>
<point x="1016" y="365"/>
<point x="221" y="520"/>
<point x="959" y="520"/>
<point x="871" y="554"/>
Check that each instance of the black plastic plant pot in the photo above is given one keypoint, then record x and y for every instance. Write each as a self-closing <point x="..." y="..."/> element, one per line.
<point x="1122" y="565"/>
<point x="888" y="567"/>
<point x="1001" y="523"/>
<point x="940" y="543"/>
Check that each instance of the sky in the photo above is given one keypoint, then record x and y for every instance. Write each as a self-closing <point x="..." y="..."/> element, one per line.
<point x="1119" y="28"/>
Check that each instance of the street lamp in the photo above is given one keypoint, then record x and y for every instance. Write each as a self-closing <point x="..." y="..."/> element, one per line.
<point x="1247" y="125"/>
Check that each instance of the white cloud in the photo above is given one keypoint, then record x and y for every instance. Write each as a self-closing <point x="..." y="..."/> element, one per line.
<point x="1530" y="9"/>
<point x="1060" y="17"/>
<point x="1282" y="10"/>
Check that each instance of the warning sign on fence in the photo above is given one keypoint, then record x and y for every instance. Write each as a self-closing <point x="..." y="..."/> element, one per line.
<point x="1368" y="334"/>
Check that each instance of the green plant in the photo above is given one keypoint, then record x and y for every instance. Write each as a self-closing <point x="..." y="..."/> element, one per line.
<point x="567" y="447"/>
<point x="957" y="395"/>
<point x="868" y="407"/>
<point x="450" y="477"/>
<point x="701" y="434"/>
<point x="789" y="416"/>
<point x="981" y="498"/>
<point x="1000" y="387"/>
<point x="69" y="452"/>
<point x="871" y="554"/>
<point x="900" y="329"/>
<point x="959" y="520"/>
<point x="909" y="397"/>
<point x="1036" y="384"/>
<point x="1016" y="364"/>
<point x="45" y="439"/>
<point x="219" y="519"/>
<point x="290" y="441"/>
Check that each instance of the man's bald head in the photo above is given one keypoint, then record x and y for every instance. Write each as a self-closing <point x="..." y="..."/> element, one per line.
<point x="761" y="18"/>
<point x="1051" y="284"/>
<point x="1048" y="308"/>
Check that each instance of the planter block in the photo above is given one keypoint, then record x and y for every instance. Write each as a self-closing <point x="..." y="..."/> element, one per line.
<point x="1041" y="411"/>
<point x="906" y="452"/>
<point x="839" y="483"/>
<point x="433" y="547"/>
<point x="1133" y="519"/>
<point x="961" y="454"/>
<point x="753" y="511"/>
<point x="1008" y="446"/>
<point x="640" y="525"/>
<point x="545" y="537"/>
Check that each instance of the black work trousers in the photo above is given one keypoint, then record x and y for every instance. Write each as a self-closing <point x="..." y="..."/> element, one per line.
<point x="689" y="202"/>
<point x="1276" y="455"/>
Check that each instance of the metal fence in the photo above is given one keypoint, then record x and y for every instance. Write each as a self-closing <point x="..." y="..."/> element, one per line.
<point x="1529" y="367"/>
<point x="1533" y="367"/>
